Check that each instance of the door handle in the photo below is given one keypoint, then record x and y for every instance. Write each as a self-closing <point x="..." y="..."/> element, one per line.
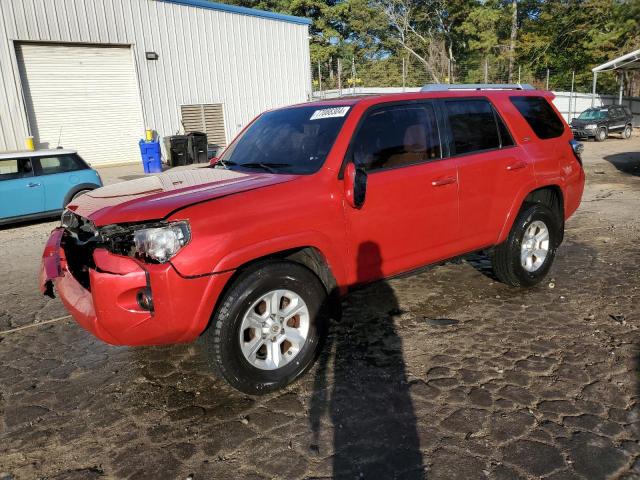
<point x="31" y="184"/>
<point x="517" y="166"/>
<point x="443" y="181"/>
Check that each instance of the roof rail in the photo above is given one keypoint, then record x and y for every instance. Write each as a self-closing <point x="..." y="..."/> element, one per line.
<point x="443" y="87"/>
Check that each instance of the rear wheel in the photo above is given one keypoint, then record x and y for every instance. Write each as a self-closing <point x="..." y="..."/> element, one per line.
<point x="268" y="327"/>
<point x="601" y="134"/>
<point x="525" y="257"/>
<point x="626" y="134"/>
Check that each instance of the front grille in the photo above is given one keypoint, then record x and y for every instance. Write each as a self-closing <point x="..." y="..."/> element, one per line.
<point x="79" y="241"/>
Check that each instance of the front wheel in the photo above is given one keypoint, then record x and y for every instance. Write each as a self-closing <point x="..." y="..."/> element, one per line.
<point x="268" y="327"/>
<point x="525" y="257"/>
<point x="601" y="134"/>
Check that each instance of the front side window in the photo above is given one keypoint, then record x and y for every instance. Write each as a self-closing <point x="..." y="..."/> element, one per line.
<point x="473" y="126"/>
<point x="12" y="168"/>
<point x="58" y="164"/>
<point x="397" y="136"/>
<point x="542" y="119"/>
<point x="291" y="140"/>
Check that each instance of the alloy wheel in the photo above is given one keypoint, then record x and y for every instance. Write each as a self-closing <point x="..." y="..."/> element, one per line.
<point x="535" y="246"/>
<point x="274" y="329"/>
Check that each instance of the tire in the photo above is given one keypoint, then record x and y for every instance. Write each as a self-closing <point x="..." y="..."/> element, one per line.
<point x="601" y="134"/>
<point x="507" y="257"/>
<point x="222" y="340"/>
<point x="626" y="133"/>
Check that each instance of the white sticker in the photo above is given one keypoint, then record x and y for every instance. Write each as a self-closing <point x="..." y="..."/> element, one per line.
<point x="329" y="113"/>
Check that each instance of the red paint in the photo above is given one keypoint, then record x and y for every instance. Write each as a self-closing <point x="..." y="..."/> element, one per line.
<point x="416" y="215"/>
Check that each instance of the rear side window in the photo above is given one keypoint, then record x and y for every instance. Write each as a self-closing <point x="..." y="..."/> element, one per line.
<point x="12" y="168"/>
<point x="473" y="126"/>
<point x="540" y="116"/>
<point x="58" y="164"/>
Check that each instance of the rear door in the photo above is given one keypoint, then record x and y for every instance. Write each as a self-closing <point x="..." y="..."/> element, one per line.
<point x="58" y="174"/>
<point x="616" y="119"/>
<point x="20" y="192"/>
<point x="410" y="214"/>
<point x="491" y="168"/>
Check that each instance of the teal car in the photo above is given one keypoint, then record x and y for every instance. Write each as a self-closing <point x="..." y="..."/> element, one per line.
<point x="40" y="184"/>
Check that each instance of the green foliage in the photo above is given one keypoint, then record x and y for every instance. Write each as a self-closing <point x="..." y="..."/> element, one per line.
<point x="560" y="35"/>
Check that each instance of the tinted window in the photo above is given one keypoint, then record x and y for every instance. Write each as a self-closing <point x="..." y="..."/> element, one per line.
<point x="12" y="168"/>
<point x="540" y="116"/>
<point x="473" y="125"/>
<point x="291" y="140"/>
<point x="396" y="136"/>
<point x="58" y="164"/>
<point x="506" y="140"/>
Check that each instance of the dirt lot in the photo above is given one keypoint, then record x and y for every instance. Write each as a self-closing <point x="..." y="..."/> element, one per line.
<point x="447" y="374"/>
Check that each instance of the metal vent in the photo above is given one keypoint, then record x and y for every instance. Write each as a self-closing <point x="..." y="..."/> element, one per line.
<point x="206" y="118"/>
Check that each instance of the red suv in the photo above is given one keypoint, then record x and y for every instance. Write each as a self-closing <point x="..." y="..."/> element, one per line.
<point x="307" y="202"/>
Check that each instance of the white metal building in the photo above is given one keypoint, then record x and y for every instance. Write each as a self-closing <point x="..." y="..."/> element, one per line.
<point x="93" y="74"/>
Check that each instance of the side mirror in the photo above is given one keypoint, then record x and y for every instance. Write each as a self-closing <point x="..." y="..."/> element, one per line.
<point x="213" y="161"/>
<point x="355" y="185"/>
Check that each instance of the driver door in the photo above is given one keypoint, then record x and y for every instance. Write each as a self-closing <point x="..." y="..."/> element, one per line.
<point x="18" y="184"/>
<point x="410" y="214"/>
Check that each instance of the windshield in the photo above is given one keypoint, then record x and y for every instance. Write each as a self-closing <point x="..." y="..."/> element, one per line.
<point x="592" y="115"/>
<point x="292" y="140"/>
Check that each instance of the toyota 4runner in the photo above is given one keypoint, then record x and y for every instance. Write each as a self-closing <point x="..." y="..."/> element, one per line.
<point x="306" y="203"/>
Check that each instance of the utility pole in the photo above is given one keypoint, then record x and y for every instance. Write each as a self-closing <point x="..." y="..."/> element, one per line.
<point x="519" y="74"/>
<point x="514" y="36"/>
<point x="319" y="78"/>
<point x="486" y="70"/>
<point x="339" y="77"/>
<point x="547" y="79"/>
<point x="573" y="79"/>
<point x="404" y="74"/>
<point x="353" y="74"/>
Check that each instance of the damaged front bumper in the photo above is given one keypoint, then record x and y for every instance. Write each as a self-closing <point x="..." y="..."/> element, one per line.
<point x="109" y="306"/>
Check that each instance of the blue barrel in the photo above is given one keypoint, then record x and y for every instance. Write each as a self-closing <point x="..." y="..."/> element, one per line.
<point x="150" y="152"/>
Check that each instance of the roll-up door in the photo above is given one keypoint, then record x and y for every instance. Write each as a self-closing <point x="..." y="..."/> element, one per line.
<point x="83" y="97"/>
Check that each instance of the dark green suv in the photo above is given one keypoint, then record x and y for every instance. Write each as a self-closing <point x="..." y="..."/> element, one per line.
<point x="599" y="122"/>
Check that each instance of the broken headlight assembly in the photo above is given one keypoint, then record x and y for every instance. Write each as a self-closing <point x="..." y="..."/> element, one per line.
<point x="150" y="242"/>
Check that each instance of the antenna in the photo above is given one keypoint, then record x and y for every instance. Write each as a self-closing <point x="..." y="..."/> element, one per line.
<point x="59" y="136"/>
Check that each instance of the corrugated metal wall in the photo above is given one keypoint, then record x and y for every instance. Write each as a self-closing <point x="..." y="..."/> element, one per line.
<point x="247" y="63"/>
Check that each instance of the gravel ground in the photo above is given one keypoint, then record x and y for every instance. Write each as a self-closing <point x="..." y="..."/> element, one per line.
<point x="447" y="374"/>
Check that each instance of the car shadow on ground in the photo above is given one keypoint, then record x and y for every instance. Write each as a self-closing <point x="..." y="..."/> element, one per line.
<point x="627" y="162"/>
<point x="368" y="398"/>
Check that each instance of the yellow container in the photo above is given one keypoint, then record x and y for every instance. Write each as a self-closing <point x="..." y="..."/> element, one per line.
<point x="29" y="143"/>
<point x="148" y="135"/>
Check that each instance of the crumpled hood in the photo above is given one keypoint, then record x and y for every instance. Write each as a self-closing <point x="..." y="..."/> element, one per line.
<point x="155" y="197"/>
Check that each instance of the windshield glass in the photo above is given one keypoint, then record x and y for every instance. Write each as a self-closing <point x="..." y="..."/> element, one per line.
<point x="592" y="115"/>
<point x="292" y="140"/>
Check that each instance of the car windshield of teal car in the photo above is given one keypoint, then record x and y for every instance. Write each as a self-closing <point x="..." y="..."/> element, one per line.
<point x="592" y="115"/>
<point x="291" y="140"/>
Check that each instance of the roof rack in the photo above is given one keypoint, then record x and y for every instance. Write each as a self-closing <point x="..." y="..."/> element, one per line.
<point x="443" y="87"/>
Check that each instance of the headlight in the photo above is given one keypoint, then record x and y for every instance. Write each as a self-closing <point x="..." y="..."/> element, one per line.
<point x="590" y="127"/>
<point x="154" y="242"/>
<point x="161" y="243"/>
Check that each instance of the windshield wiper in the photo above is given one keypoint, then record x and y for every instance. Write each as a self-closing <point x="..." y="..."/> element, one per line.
<point x="224" y="163"/>
<point x="269" y="167"/>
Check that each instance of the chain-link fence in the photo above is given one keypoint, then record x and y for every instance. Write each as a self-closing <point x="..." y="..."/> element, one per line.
<point x="339" y="76"/>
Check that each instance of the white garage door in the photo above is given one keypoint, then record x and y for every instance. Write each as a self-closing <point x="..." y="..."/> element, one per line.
<point x="85" y="98"/>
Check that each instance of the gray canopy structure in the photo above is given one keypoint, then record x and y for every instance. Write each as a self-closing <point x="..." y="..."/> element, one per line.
<point x="628" y="62"/>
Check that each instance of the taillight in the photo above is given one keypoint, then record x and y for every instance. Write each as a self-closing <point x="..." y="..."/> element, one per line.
<point x="577" y="148"/>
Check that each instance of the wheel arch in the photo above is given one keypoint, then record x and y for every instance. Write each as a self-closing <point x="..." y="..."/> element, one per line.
<point x="78" y="188"/>
<point x="309" y="257"/>
<point x="550" y="195"/>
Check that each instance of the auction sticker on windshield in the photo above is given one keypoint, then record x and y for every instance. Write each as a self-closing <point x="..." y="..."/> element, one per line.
<point x="329" y="113"/>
